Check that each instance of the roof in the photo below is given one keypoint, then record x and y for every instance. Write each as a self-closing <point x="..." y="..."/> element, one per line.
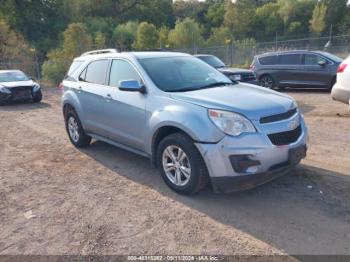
<point x="292" y="52"/>
<point x="137" y="55"/>
<point x="203" y="55"/>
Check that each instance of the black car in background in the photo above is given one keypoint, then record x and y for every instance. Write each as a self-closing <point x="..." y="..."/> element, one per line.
<point x="17" y="86"/>
<point x="299" y="69"/>
<point x="235" y="74"/>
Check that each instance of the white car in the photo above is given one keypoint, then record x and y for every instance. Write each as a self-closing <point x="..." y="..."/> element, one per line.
<point x="341" y="90"/>
<point x="17" y="86"/>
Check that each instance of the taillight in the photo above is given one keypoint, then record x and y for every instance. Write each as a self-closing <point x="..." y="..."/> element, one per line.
<point x="341" y="68"/>
<point x="60" y="86"/>
<point x="251" y="67"/>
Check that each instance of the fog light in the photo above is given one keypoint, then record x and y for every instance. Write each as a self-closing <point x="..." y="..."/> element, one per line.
<point x="243" y="163"/>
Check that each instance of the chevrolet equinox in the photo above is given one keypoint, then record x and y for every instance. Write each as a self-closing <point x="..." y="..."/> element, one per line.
<point x="193" y="123"/>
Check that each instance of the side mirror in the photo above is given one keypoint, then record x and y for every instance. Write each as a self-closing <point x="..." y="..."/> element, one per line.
<point x="322" y="63"/>
<point x="131" y="86"/>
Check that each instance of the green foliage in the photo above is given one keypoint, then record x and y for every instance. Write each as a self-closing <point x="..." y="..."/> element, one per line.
<point x="76" y="40"/>
<point x="318" y="20"/>
<point x="14" y="51"/>
<point x="187" y="33"/>
<point x="163" y="36"/>
<point x="124" y="35"/>
<point x="220" y="36"/>
<point x="147" y="36"/>
<point x="239" y="17"/>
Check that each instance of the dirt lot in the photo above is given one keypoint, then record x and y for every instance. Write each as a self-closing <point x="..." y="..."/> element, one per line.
<point x="55" y="199"/>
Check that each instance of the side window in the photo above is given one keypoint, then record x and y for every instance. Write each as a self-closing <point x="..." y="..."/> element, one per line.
<point x="268" y="60"/>
<point x="313" y="59"/>
<point x="122" y="70"/>
<point x="290" y="59"/>
<point x="95" y="72"/>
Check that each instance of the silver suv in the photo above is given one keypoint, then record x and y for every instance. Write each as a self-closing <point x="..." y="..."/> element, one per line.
<point x="191" y="121"/>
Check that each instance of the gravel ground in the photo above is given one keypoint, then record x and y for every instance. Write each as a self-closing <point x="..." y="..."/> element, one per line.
<point x="55" y="199"/>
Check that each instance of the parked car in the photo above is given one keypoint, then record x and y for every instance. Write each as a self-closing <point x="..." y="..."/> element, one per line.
<point x="341" y="90"/>
<point x="235" y="74"/>
<point x="306" y="69"/>
<point x="17" y="86"/>
<point x="190" y="120"/>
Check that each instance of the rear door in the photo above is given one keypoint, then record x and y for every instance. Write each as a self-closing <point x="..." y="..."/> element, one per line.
<point x="314" y="74"/>
<point x="92" y="92"/>
<point x="290" y="70"/>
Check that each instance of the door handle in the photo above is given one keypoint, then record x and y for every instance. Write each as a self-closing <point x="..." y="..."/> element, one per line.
<point x="108" y="97"/>
<point x="79" y="89"/>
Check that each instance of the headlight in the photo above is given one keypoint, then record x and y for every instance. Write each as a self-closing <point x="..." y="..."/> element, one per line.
<point x="36" y="88"/>
<point x="231" y="123"/>
<point x="236" y="77"/>
<point x="4" y="90"/>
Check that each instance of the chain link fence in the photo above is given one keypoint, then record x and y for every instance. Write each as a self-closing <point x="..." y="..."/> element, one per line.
<point x="238" y="53"/>
<point x="242" y="53"/>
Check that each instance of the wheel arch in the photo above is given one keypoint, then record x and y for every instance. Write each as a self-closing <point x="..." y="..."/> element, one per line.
<point x="160" y="134"/>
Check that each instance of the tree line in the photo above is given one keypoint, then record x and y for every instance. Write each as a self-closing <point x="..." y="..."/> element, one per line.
<point x="56" y="31"/>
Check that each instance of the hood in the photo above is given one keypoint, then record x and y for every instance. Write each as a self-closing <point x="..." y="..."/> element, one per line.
<point x="229" y="70"/>
<point x="251" y="101"/>
<point x="17" y="83"/>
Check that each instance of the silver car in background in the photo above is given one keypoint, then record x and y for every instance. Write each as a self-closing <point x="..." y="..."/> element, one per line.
<point x="190" y="120"/>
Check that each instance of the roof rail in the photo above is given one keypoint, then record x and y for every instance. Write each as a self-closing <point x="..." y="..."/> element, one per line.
<point x="100" y="51"/>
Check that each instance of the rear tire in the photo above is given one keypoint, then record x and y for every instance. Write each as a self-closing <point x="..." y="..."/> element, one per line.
<point x="267" y="81"/>
<point x="184" y="171"/>
<point x="75" y="130"/>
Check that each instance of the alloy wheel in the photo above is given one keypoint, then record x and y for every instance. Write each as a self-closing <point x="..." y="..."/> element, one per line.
<point x="176" y="165"/>
<point x="73" y="129"/>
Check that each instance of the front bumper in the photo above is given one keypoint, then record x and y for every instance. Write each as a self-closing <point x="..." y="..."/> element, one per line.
<point x="19" y="94"/>
<point x="269" y="161"/>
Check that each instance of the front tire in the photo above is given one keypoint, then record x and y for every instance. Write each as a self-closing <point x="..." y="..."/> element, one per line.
<point x="267" y="82"/>
<point x="75" y="130"/>
<point x="181" y="165"/>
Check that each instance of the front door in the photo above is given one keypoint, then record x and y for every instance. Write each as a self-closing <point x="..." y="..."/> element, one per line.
<point x="290" y="70"/>
<point x="126" y="109"/>
<point x="316" y="71"/>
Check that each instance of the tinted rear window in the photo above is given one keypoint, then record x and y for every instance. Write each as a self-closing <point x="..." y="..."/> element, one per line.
<point x="268" y="60"/>
<point x="290" y="59"/>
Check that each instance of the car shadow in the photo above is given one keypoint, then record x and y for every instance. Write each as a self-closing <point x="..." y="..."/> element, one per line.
<point x="294" y="213"/>
<point x="304" y="90"/>
<point x="24" y="106"/>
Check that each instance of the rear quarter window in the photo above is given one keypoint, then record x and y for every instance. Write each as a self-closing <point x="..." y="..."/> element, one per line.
<point x="268" y="60"/>
<point x="74" y="66"/>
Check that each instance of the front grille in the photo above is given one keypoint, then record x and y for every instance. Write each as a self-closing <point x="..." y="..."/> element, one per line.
<point x="278" y="117"/>
<point x="22" y="94"/>
<point x="21" y="88"/>
<point x="285" y="138"/>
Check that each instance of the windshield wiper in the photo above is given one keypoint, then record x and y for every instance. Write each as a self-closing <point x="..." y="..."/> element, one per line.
<point x="217" y="84"/>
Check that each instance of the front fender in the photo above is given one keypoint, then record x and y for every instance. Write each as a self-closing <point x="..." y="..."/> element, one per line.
<point x="191" y="119"/>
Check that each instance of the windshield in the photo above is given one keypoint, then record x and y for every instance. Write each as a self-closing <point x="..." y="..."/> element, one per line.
<point x="178" y="74"/>
<point x="213" y="61"/>
<point x="13" y="76"/>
